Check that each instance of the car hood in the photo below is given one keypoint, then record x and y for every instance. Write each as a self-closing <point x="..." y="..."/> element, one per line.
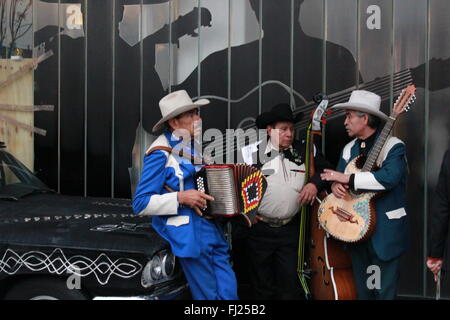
<point x="52" y="204"/>
<point x="79" y="223"/>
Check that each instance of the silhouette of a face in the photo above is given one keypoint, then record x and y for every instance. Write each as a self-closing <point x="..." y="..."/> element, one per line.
<point x="280" y="8"/>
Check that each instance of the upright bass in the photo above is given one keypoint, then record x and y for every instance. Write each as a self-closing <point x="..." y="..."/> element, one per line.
<point x="326" y="272"/>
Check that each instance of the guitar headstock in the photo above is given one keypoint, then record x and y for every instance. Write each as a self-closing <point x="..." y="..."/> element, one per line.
<point x="404" y="100"/>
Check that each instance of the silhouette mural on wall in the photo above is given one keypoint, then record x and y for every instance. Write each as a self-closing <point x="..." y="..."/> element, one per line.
<point x="111" y="132"/>
<point x="94" y="122"/>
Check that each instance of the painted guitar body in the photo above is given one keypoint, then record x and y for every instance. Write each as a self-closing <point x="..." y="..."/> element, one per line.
<point x="352" y="218"/>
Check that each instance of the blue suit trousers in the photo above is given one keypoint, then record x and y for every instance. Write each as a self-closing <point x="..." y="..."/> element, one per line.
<point x="210" y="275"/>
<point x="375" y="279"/>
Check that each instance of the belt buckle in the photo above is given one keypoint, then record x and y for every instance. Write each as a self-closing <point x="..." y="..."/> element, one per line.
<point x="274" y="222"/>
<point x="277" y="224"/>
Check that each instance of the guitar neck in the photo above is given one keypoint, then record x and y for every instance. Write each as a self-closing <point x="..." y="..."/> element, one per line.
<point x="380" y="86"/>
<point x="369" y="165"/>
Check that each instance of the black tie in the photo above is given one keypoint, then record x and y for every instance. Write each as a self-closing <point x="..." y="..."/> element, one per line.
<point x="288" y="155"/>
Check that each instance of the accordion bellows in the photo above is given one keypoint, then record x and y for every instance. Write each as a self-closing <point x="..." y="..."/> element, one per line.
<point x="237" y="189"/>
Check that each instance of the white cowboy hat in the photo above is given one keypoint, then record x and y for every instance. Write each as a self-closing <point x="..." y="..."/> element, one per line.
<point x="174" y="104"/>
<point x="364" y="101"/>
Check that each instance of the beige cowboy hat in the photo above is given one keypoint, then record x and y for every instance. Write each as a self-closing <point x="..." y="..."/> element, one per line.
<point x="174" y="104"/>
<point x="364" y="101"/>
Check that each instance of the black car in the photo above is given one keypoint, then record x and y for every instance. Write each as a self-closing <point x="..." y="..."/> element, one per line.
<point x="65" y="247"/>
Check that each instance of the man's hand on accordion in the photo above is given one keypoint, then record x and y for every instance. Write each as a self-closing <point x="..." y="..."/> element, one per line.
<point x="194" y="199"/>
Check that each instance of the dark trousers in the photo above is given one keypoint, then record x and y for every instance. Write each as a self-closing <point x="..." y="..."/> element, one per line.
<point x="374" y="279"/>
<point x="273" y="255"/>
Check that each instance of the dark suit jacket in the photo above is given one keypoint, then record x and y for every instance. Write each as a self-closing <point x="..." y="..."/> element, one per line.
<point x="439" y="233"/>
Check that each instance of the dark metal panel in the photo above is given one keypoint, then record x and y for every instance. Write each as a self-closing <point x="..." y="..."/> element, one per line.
<point x="375" y="46"/>
<point x="214" y="56"/>
<point x="439" y="100"/>
<point x="72" y="95"/>
<point x="308" y="50"/>
<point x="276" y="52"/>
<point x="409" y="51"/>
<point x="308" y="56"/>
<point x="189" y="20"/>
<point x="340" y="66"/>
<point x="46" y="92"/>
<point x="244" y="77"/>
<point x="341" y="19"/>
<point x="127" y="91"/>
<point x="99" y="97"/>
<point x="156" y="57"/>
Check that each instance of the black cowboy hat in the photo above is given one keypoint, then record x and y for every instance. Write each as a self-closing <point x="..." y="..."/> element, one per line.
<point x="280" y="112"/>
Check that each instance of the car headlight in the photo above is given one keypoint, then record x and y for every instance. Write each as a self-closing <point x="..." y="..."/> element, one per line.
<point x="160" y="267"/>
<point x="168" y="263"/>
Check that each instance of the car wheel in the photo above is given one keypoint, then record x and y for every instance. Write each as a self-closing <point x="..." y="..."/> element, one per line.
<point x="43" y="289"/>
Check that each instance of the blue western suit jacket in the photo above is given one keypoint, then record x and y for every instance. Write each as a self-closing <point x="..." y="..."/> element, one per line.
<point x="177" y="224"/>
<point x="390" y="238"/>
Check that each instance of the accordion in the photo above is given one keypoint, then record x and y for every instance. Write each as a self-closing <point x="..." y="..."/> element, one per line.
<point x="236" y="189"/>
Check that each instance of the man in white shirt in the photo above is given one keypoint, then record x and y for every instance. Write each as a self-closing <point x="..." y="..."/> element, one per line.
<point x="273" y="240"/>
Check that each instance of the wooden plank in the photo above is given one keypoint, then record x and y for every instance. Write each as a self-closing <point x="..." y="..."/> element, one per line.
<point x="26" y="66"/>
<point x="14" y="107"/>
<point x="19" y="140"/>
<point x="19" y="124"/>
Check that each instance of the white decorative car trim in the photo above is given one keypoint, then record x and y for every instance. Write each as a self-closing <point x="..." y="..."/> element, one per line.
<point x="57" y="263"/>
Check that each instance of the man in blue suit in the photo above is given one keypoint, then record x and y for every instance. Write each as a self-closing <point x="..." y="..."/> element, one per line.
<point x="167" y="192"/>
<point x="376" y="262"/>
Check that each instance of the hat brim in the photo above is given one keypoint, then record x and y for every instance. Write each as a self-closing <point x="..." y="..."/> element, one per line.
<point x="266" y="118"/>
<point x="199" y="103"/>
<point x="360" y="107"/>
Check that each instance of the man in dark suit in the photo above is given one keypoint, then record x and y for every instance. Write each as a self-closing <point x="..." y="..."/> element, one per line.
<point x="439" y="233"/>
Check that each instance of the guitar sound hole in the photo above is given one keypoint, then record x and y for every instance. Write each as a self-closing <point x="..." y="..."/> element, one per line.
<point x="355" y="193"/>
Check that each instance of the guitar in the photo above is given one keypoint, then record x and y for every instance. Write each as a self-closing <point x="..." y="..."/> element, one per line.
<point x="353" y="218"/>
